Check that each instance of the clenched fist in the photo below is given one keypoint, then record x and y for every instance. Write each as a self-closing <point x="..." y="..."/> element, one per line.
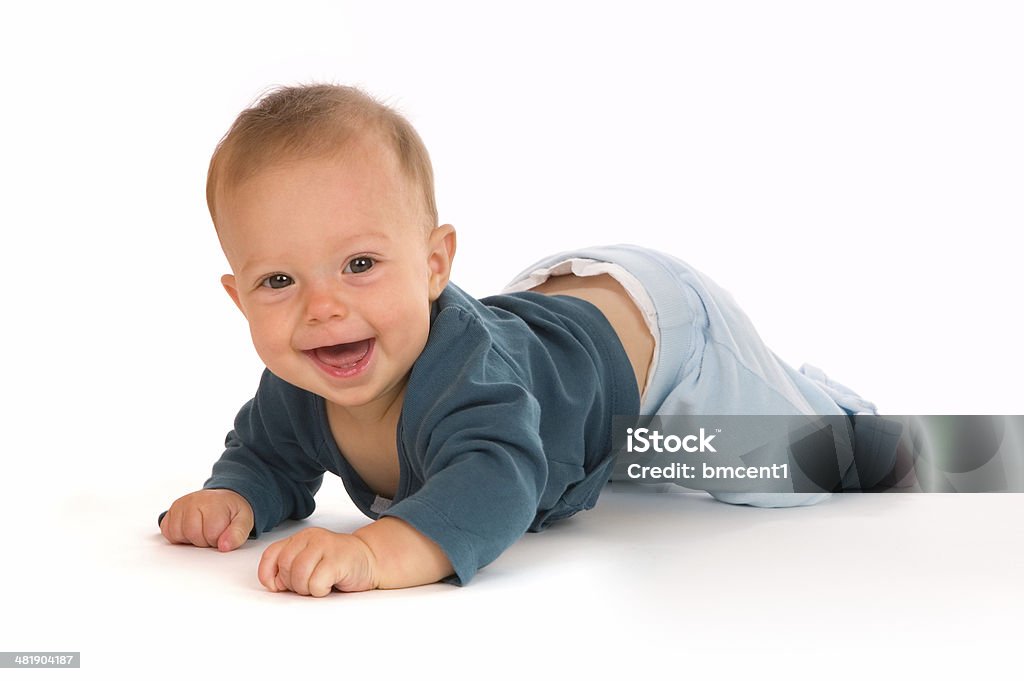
<point x="209" y="517"/>
<point x="314" y="561"/>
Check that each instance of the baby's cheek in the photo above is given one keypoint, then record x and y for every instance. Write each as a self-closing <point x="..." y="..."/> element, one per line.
<point x="412" y="325"/>
<point x="270" y="344"/>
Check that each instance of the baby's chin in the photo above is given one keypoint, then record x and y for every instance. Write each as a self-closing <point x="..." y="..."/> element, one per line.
<point x="369" y="402"/>
<point x="365" y="394"/>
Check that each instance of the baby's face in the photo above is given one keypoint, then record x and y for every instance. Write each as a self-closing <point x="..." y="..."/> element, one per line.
<point x="335" y="274"/>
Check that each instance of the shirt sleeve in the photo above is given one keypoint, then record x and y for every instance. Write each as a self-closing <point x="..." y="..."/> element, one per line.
<point x="484" y="472"/>
<point x="471" y="444"/>
<point x="263" y="460"/>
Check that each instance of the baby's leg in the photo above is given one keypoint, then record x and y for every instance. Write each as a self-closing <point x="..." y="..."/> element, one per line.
<point x="711" y="361"/>
<point x="816" y="452"/>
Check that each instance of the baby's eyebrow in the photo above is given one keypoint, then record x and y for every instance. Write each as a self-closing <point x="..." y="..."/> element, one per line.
<point x="253" y="263"/>
<point x="371" y="236"/>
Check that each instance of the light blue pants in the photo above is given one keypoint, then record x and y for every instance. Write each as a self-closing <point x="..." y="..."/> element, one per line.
<point x="709" y="358"/>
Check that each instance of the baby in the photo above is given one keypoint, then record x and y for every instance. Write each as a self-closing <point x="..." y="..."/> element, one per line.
<point x="456" y="424"/>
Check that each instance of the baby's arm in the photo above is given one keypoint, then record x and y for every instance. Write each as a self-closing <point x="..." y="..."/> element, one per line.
<point x="386" y="554"/>
<point x="268" y="464"/>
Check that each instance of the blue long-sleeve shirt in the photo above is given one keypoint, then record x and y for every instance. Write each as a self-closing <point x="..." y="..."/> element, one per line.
<point x="506" y="427"/>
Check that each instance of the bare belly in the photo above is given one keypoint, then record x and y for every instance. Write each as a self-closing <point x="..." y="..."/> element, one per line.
<point x="626" y="319"/>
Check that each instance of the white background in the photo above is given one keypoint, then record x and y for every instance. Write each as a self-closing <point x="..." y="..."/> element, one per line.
<point x="851" y="172"/>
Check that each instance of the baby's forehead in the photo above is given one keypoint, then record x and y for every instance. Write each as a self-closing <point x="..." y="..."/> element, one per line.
<point x="350" y="196"/>
<point x="363" y="183"/>
<point x="374" y="175"/>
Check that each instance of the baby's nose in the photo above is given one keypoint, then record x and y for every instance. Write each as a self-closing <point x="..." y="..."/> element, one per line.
<point x="324" y="302"/>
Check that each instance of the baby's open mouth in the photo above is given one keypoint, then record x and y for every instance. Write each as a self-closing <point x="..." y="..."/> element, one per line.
<point x="343" y="355"/>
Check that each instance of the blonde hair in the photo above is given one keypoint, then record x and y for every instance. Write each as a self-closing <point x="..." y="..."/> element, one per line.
<point x="311" y="122"/>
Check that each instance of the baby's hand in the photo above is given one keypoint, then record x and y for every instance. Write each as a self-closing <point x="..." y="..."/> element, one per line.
<point x="209" y="517"/>
<point x="315" y="560"/>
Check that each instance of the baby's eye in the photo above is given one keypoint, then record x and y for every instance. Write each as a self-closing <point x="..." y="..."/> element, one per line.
<point x="358" y="265"/>
<point x="277" y="281"/>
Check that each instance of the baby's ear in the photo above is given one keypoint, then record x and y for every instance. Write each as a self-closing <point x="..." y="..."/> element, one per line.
<point x="228" y="282"/>
<point x="441" y="252"/>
